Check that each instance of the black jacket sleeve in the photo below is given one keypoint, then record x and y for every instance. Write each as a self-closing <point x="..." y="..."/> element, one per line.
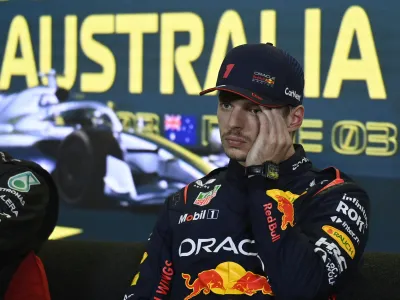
<point x="311" y="259"/>
<point x="153" y="279"/>
<point x="24" y="196"/>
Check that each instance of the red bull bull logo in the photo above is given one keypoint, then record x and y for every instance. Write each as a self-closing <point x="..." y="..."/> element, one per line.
<point x="252" y="283"/>
<point x="228" y="278"/>
<point x="287" y="210"/>
<point x="285" y="205"/>
<point x="205" y="281"/>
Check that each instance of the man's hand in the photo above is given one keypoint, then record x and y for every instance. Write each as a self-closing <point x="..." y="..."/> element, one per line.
<point x="273" y="141"/>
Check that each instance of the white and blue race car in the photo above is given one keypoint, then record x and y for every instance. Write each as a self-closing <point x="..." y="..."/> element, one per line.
<point x="92" y="159"/>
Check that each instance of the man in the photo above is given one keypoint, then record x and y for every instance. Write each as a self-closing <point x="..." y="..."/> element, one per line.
<point x="28" y="215"/>
<point x="269" y="225"/>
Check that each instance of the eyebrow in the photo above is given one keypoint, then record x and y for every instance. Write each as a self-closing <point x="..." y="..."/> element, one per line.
<point x="247" y="105"/>
<point x="225" y="100"/>
<point x="251" y="104"/>
<point x="226" y="96"/>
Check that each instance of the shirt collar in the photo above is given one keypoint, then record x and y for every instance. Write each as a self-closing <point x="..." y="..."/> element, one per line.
<point x="295" y="165"/>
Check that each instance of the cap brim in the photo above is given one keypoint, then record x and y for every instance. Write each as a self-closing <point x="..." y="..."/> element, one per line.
<point x="245" y="94"/>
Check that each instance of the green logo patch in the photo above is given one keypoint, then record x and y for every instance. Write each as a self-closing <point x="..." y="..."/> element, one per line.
<point x="203" y="198"/>
<point x="22" y="182"/>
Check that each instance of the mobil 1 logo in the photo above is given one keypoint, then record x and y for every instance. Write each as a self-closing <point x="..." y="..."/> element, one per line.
<point x="211" y="214"/>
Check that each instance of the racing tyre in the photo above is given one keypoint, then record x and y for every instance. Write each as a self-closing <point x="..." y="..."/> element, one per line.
<point x="81" y="167"/>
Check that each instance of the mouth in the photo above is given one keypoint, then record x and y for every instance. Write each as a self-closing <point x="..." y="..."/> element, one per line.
<point x="235" y="141"/>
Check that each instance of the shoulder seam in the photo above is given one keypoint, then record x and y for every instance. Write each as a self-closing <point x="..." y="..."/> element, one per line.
<point x="337" y="181"/>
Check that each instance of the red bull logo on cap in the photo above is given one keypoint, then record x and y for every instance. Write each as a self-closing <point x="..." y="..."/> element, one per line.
<point x="228" y="278"/>
<point x="285" y="205"/>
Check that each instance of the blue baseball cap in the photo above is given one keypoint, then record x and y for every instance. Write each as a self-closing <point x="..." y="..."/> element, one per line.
<point x="261" y="73"/>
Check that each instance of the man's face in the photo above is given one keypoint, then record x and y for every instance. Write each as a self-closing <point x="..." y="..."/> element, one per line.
<point x="238" y="125"/>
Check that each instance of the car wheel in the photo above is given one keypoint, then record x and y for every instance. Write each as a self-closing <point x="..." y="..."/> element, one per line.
<point x="81" y="167"/>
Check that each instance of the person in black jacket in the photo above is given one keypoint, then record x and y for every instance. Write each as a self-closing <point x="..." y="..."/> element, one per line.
<point x="269" y="225"/>
<point x="28" y="216"/>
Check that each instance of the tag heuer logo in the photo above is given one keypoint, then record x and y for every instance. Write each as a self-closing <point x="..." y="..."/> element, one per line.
<point x="203" y="198"/>
<point x="22" y="182"/>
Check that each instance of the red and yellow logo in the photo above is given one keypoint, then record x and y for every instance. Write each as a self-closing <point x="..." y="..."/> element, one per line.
<point x="228" y="278"/>
<point x="285" y="205"/>
<point x="341" y="238"/>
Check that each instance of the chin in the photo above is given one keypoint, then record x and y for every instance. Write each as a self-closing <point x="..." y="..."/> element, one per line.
<point x="236" y="154"/>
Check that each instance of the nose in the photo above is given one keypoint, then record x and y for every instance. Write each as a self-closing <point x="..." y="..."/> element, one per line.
<point x="236" y="118"/>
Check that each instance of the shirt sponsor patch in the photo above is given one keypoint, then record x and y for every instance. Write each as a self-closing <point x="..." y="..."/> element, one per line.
<point x="352" y="214"/>
<point x="341" y="238"/>
<point x="22" y="182"/>
<point x="346" y="226"/>
<point x="211" y="214"/>
<point x="204" y="198"/>
<point x="329" y="250"/>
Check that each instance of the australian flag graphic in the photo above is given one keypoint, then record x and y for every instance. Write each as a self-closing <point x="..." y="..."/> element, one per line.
<point x="180" y="129"/>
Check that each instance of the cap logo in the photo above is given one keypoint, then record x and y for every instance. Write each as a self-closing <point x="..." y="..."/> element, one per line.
<point x="262" y="78"/>
<point x="228" y="70"/>
<point x="293" y="94"/>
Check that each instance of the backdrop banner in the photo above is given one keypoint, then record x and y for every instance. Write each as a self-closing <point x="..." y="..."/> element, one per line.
<point x="105" y="97"/>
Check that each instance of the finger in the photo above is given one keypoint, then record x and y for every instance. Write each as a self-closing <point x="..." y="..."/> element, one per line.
<point x="281" y="128"/>
<point x="262" y="117"/>
<point x="276" y="136"/>
<point x="266" y="111"/>
<point x="264" y="126"/>
<point x="276" y="114"/>
<point x="272" y="123"/>
<point x="272" y="130"/>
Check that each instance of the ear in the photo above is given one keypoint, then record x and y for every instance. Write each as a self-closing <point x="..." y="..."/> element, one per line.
<point x="295" y="118"/>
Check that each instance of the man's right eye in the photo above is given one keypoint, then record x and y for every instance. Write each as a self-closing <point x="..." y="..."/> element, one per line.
<point x="255" y="111"/>
<point x="225" y="105"/>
